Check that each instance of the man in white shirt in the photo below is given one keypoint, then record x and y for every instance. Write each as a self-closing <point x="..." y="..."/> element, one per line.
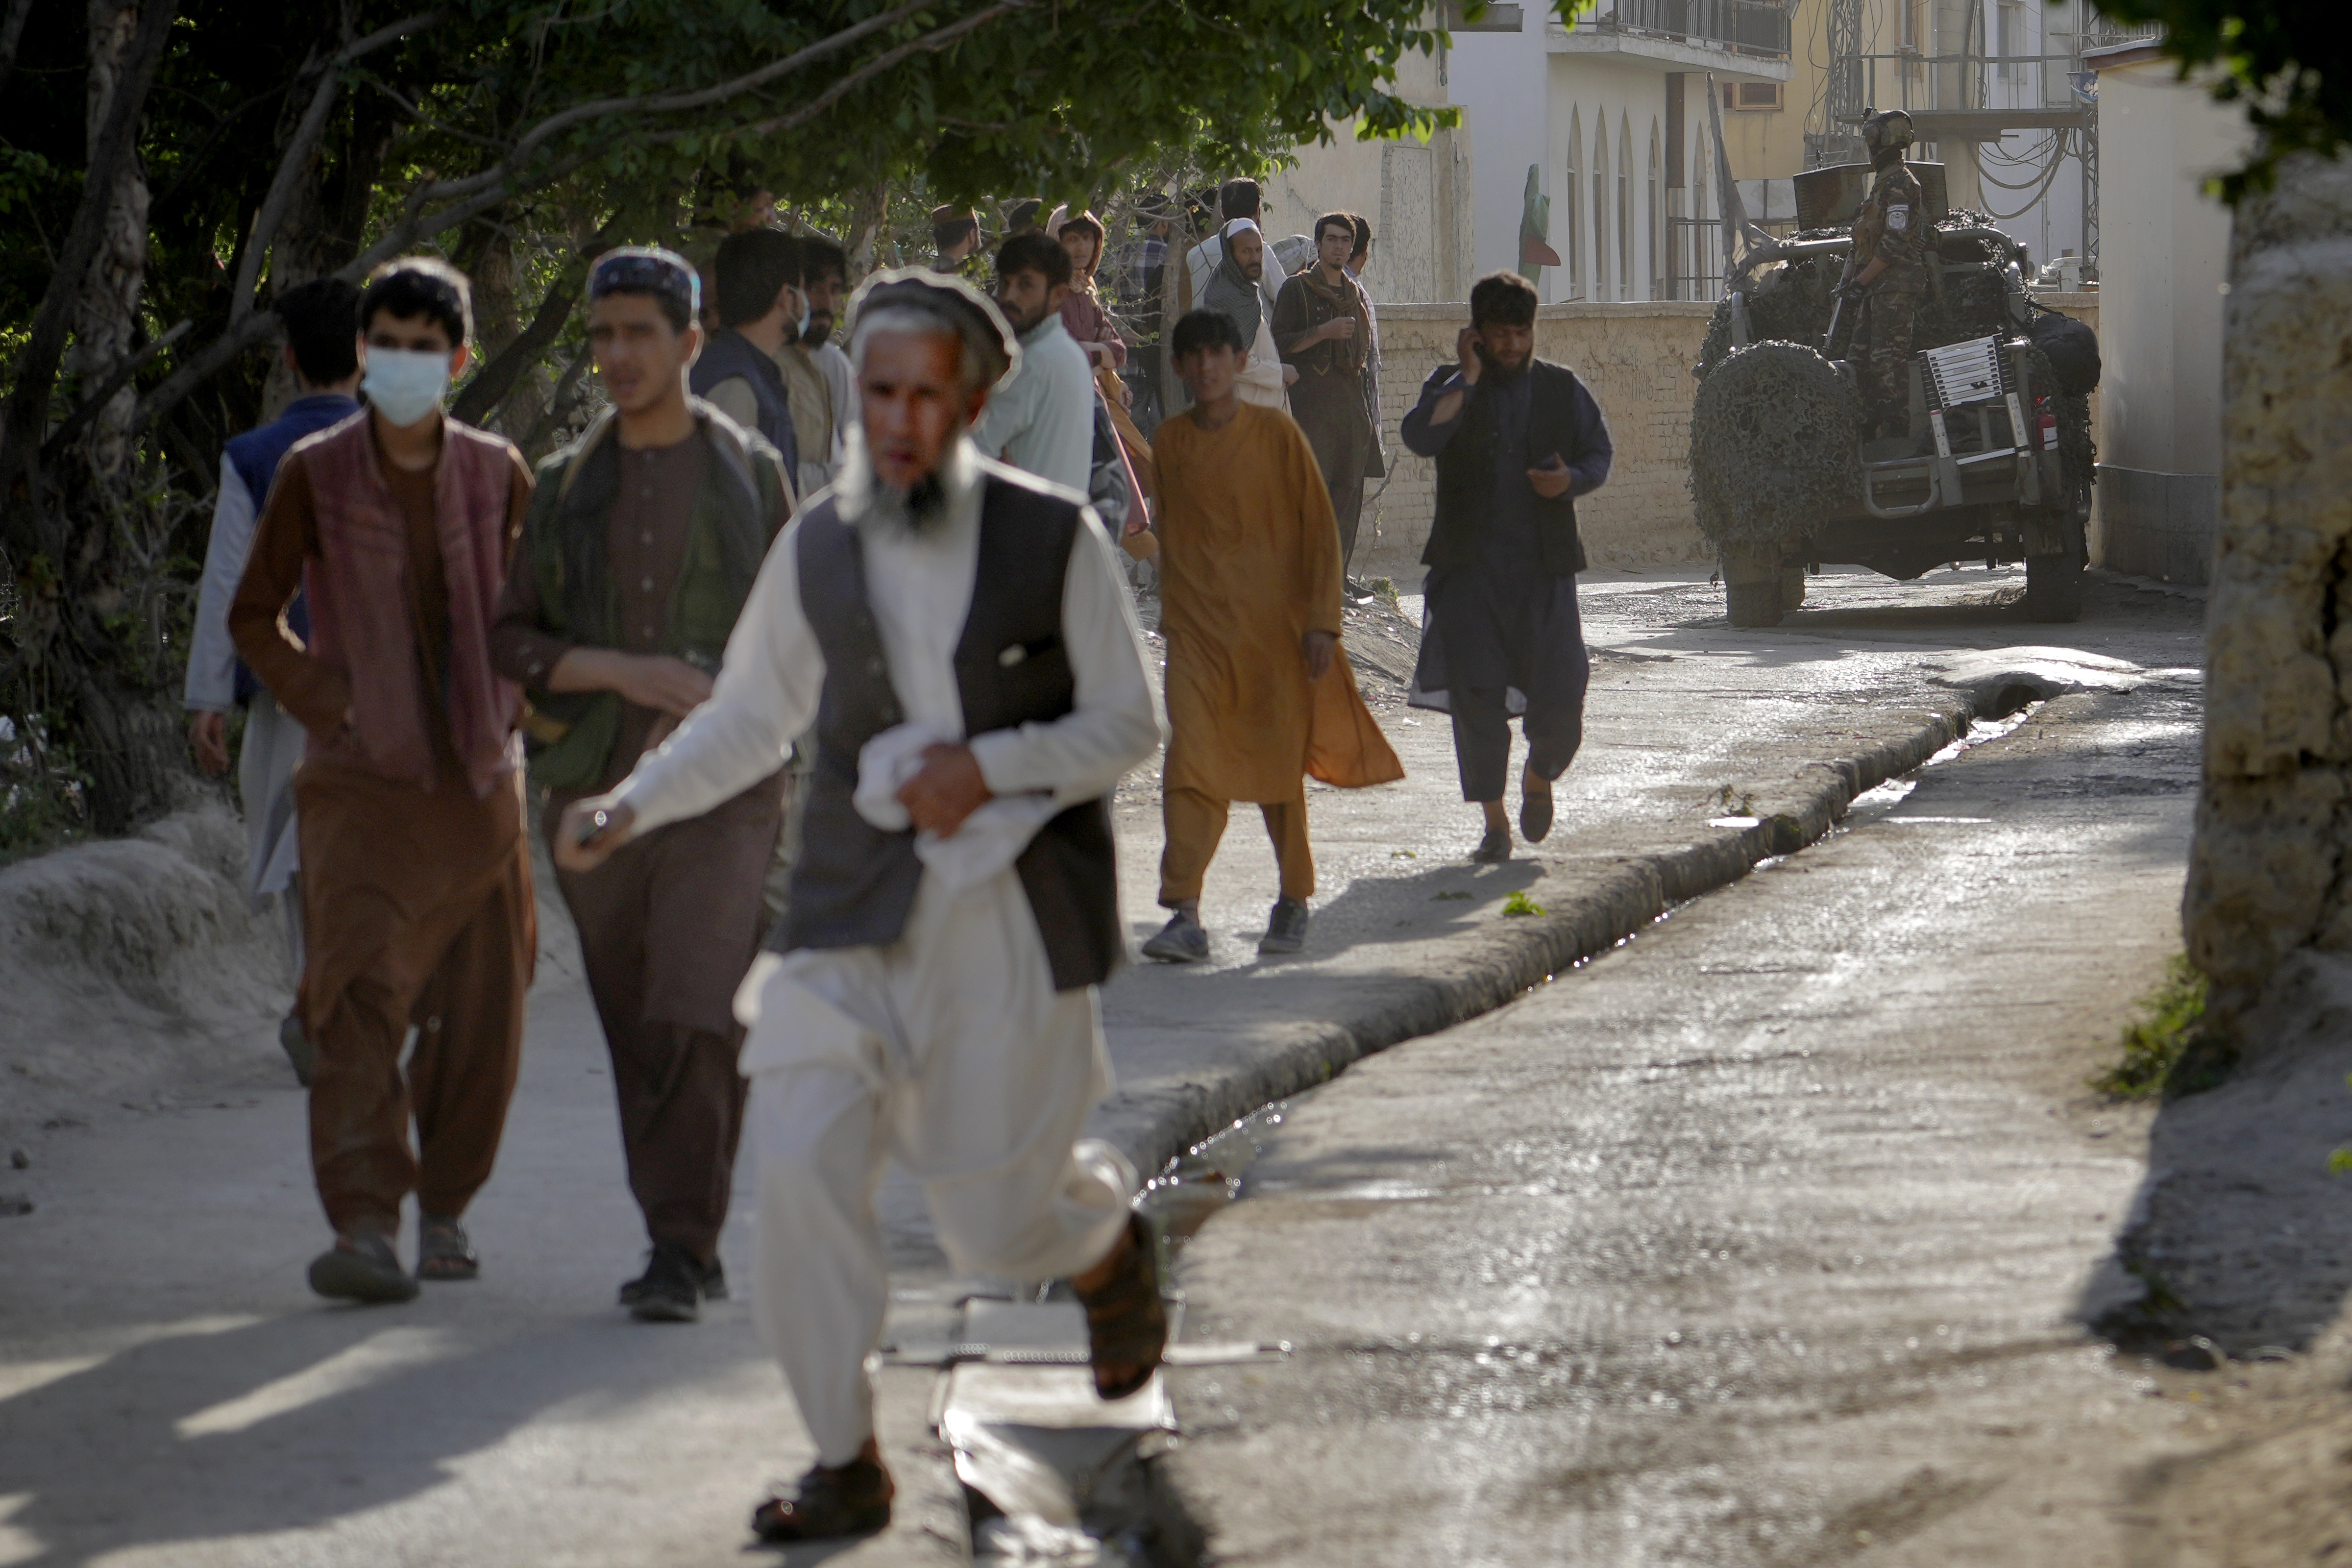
<point x="963" y="639"/>
<point x="322" y="318"/>
<point x="1042" y="420"/>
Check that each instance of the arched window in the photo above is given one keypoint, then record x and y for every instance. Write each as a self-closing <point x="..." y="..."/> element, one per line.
<point x="1624" y="210"/>
<point x="1657" y="261"/>
<point x="1571" y="248"/>
<point x="1600" y="209"/>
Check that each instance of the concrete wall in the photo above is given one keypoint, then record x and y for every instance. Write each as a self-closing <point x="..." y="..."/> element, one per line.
<point x="2163" y="260"/>
<point x="1636" y="358"/>
<point x="1417" y="196"/>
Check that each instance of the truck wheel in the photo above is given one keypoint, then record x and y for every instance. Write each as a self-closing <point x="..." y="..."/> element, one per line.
<point x="1755" y="603"/>
<point x="2053" y="587"/>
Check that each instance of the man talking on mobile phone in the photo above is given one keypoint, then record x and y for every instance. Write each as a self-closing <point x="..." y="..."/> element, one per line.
<point x="1515" y="439"/>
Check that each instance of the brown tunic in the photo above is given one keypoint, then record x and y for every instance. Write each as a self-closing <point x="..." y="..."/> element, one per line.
<point x="1250" y="562"/>
<point x="415" y="903"/>
<point x="670" y="923"/>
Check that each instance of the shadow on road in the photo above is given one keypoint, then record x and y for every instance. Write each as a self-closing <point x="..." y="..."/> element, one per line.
<point x="2240" y="1233"/>
<point x="298" y="1422"/>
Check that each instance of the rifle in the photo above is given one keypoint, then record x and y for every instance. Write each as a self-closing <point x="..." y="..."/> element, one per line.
<point x="1837" y="308"/>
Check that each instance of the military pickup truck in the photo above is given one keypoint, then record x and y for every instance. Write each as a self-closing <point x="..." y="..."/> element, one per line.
<point x="1997" y="464"/>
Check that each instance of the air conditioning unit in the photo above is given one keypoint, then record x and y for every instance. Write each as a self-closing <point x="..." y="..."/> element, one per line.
<point x="1754" y="97"/>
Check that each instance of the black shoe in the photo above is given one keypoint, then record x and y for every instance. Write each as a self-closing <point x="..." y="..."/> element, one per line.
<point x="670" y="1290"/>
<point x="361" y="1269"/>
<point x="1534" y="810"/>
<point x="714" y="1284"/>
<point x="1181" y="940"/>
<point x="1492" y="849"/>
<point x="1285" y="927"/>
<point x="848" y="1499"/>
<point x="296" y="1043"/>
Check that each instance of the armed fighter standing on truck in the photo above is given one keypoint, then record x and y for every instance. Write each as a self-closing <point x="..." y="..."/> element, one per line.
<point x="1890" y="262"/>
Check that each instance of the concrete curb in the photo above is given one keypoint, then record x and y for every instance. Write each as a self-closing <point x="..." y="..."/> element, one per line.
<point x="1610" y="899"/>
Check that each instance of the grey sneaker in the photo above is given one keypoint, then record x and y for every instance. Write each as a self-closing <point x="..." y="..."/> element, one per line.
<point x="1181" y="940"/>
<point x="1285" y="927"/>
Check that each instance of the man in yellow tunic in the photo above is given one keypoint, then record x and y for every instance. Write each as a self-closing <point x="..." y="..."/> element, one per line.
<point x="1259" y="695"/>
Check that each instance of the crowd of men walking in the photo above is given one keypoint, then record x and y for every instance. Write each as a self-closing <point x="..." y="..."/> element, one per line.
<point x="859" y="614"/>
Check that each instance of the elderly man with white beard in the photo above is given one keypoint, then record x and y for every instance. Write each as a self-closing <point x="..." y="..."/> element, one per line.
<point x="963" y="637"/>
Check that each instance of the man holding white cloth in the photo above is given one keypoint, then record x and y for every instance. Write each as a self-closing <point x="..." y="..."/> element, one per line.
<point x="962" y="636"/>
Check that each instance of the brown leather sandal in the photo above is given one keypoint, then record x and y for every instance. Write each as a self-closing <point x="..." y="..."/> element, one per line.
<point x="826" y="1503"/>
<point x="1127" y="1322"/>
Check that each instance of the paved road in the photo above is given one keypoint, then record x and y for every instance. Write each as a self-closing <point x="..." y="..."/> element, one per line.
<point x="1757" y="1241"/>
<point x="169" y="1395"/>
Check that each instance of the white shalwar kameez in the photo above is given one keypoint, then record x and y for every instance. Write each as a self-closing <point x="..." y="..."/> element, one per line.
<point x="949" y="1049"/>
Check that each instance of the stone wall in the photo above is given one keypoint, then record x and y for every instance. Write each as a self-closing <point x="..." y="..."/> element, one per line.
<point x="1637" y="359"/>
<point x="2268" y="873"/>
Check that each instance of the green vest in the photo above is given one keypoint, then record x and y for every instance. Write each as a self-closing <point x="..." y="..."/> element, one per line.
<point x="742" y="503"/>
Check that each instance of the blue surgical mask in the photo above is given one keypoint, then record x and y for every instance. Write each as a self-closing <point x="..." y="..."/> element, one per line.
<point x="800" y="327"/>
<point x="406" y="384"/>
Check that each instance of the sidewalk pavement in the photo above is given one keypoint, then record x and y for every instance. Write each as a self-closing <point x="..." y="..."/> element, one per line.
<point x="171" y="1394"/>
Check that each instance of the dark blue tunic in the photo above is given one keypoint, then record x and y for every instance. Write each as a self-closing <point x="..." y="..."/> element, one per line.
<point x="1505" y="623"/>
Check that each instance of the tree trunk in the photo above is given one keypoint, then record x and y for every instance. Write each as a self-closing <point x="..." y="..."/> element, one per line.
<point x="106" y="313"/>
<point x="868" y="210"/>
<point x="2271" y="869"/>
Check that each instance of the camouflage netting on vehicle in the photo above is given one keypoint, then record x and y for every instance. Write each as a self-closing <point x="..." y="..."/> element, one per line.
<point x="2078" y="455"/>
<point x="1792" y="300"/>
<point x="1773" y="445"/>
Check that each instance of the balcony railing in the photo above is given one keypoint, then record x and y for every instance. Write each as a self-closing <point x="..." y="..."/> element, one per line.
<point x="1743" y="26"/>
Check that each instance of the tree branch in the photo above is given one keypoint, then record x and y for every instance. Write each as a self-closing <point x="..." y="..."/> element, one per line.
<point x="930" y="43"/>
<point x="71" y="424"/>
<point x="567" y="392"/>
<point x="297" y="159"/>
<point x="36" y="368"/>
<point x="492" y="188"/>
<point x="496" y="176"/>
<point x="12" y="33"/>
<point x="207" y="363"/>
<point x="494" y="380"/>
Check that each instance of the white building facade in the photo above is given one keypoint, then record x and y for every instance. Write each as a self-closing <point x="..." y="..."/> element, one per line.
<point x="1594" y="141"/>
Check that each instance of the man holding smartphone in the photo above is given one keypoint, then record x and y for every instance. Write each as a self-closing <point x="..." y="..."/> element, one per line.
<point x="640" y="547"/>
<point x="1516" y="441"/>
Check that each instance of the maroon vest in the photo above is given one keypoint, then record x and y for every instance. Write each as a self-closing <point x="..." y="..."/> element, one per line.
<point x="360" y="621"/>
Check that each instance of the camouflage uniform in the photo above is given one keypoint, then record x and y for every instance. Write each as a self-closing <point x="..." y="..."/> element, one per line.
<point x="1891" y="226"/>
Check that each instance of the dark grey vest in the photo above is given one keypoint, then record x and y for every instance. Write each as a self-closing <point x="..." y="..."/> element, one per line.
<point x="1465" y="476"/>
<point x="854" y="884"/>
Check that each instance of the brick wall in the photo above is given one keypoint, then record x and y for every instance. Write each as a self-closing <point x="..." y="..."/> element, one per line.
<point x="1636" y="358"/>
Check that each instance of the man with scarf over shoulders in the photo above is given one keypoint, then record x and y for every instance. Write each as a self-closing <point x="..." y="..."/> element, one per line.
<point x="961" y="635"/>
<point x="396" y="524"/>
<point x="639" y="550"/>
<point x="1516" y="439"/>
<point x="1235" y="290"/>
<point x="1323" y="327"/>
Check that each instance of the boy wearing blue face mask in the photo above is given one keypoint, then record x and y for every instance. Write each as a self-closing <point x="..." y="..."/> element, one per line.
<point x="397" y="523"/>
